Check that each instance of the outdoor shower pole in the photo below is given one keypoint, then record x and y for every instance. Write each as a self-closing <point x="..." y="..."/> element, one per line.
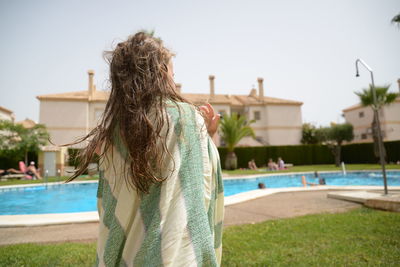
<point x="376" y="114"/>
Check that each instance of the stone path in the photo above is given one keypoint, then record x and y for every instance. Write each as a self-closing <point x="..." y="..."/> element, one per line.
<point x="284" y="205"/>
<point x="280" y="205"/>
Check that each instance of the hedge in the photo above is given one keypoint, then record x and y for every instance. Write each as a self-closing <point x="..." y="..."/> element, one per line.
<point x="73" y="159"/>
<point x="8" y="161"/>
<point x="311" y="154"/>
<point x="364" y="153"/>
<point x="297" y="154"/>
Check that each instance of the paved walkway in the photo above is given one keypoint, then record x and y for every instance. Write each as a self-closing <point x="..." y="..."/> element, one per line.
<point x="280" y="205"/>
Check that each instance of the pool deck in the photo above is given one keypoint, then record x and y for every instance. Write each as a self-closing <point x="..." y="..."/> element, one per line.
<point x="269" y="207"/>
<point x="243" y="208"/>
<point x="376" y="200"/>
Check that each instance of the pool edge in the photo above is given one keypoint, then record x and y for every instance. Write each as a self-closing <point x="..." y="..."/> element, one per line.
<point x="31" y="220"/>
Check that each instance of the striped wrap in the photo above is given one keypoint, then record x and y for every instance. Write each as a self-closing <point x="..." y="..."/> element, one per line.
<point x="179" y="223"/>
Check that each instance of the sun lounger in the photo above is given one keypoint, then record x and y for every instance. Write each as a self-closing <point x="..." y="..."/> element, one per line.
<point x="12" y="176"/>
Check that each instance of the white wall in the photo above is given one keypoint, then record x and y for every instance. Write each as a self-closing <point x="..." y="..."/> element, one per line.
<point x="5" y="116"/>
<point x="283" y="124"/>
<point x="392" y="121"/>
<point x="389" y="118"/>
<point x="95" y="110"/>
<point x="65" y="120"/>
<point x="225" y="108"/>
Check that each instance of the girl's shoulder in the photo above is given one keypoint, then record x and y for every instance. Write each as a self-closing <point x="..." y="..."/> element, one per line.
<point x="184" y="114"/>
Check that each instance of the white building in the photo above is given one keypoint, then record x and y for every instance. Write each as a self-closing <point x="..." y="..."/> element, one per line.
<point x="69" y="116"/>
<point x="6" y="114"/>
<point x="72" y="115"/>
<point x="277" y="121"/>
<point x="361" y="118"/>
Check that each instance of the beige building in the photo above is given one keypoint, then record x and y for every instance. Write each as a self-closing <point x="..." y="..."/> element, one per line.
<point x="72" y="115"/>
<point x="69" y="116"/>
<point x="6" y="114"/>
<point x="277" y="121"/>
<point x="361" y="118"/>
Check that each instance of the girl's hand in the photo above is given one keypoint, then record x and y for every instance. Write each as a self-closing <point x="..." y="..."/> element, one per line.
<point x="210" y="118"/>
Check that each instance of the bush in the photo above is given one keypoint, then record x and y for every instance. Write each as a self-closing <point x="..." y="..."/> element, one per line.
<point x="364" y="153"/>
<point x="297" y="155"/>
<point x="73" y="159"/>
<point x="10" y="160"/>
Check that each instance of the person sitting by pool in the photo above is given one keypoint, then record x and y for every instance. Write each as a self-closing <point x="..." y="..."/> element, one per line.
<point x="281" y="164"/>
<point x="261" y="186"/>
<point x="252" y="165"/>
<point x="32" y="171"/>
<point x="272" y="166"/>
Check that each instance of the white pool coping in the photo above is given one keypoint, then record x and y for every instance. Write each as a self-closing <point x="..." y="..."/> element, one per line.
<point x="84" y="217"/>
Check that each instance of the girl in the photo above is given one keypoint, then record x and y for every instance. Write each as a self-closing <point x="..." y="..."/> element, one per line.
<point x="160" y="194"/>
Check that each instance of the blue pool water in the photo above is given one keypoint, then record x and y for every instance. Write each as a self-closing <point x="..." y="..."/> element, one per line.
<point x="81" y="197"/>
<point x="232" y="187"/>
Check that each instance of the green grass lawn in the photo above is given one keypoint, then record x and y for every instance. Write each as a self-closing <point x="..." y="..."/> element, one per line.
<point x="362" y="237"/>
<point x="309" y="168"/>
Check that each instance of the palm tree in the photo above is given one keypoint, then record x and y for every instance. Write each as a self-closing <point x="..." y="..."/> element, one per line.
<point x="383" y="98"/>
<point x="396" y="20"/>
<point x="233" y="128"/>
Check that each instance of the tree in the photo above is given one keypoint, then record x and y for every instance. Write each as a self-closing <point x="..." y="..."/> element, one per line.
<point x="309" y="134"/>
<point x="383" y="98"/>
<point x="396" y="20"/>
<point x="334" y="137"/>
<point x="233" y="128"/>
<point x="17" y="140"/>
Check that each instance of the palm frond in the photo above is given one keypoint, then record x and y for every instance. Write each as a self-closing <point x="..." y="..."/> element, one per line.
<point x="234" y="128"/>
<point x="396" y="19"/>
<point x="383" y="97"/>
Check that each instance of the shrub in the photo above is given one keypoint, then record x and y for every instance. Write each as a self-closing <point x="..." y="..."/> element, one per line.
<point x="311" y="154"/>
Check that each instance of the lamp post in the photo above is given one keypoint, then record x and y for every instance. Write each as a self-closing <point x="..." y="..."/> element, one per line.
<point x="378" y="124"/>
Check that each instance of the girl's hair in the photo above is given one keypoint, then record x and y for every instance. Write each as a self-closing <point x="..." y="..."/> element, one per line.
<point x="140" y="83"/>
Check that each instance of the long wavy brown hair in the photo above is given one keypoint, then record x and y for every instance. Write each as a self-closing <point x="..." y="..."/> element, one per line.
<point x="140" y="83"/>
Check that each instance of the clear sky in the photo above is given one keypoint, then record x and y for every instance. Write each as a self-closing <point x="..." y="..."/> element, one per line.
<point x="305" y="50"/>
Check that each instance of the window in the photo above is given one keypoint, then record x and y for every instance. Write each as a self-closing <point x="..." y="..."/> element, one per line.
<point x="97" y="114"/>
<point x="221" y="112"/>
<point x="259" y="139"/>
<point x="257" y="115"/>
<point x="363" y="136"/>
<point x="222" y="142"/>
<point x="361" y="114"/>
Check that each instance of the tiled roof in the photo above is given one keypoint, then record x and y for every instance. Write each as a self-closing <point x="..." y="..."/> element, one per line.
<point x="27" y="123"/>
<point x="80" y="96"/>
<point x="235" y="100"/>
<point x="353" y="107"/>
<point x="5" y="110"/>
<point x="357" y="106"/>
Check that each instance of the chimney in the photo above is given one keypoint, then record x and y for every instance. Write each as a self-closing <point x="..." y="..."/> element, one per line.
<point x="260" y="88"/>
<point x="253" y="92"/>
<point x="212" y="88"/>
<point x="178" y="87"/>
<point x="92" y="87"/>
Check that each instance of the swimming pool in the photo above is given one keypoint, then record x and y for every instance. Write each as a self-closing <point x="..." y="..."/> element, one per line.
<point x="81" y="197"/>
<point x="235" y="186"/>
